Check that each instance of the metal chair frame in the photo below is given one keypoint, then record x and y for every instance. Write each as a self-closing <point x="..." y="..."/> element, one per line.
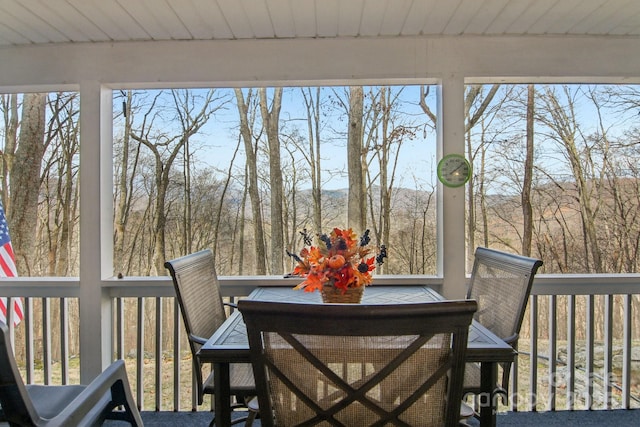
<point x="63" y="405"/>
<point x="203" y="311"/>
<point x="355" y="364"/>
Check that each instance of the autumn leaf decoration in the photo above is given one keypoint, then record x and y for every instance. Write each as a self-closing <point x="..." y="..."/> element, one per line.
<point x="340" y="259"/>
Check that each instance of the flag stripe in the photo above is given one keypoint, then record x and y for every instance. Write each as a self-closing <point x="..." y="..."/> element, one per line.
<point x="8" y="269"/>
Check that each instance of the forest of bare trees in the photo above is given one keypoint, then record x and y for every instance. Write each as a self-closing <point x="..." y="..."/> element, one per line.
<point x="243" y="171"/>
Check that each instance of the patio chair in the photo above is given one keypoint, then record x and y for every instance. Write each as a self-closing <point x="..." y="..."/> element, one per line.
<point x="358" y="365"/>
<point x="203" y="311"/>
<point x="64" y="405"/>
<point x="500" y="284"/>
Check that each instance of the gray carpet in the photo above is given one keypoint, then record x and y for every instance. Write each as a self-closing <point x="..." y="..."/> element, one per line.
<point x="520" y="419"/>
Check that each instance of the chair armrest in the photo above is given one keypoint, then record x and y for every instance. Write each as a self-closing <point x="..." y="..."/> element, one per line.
<point x="230" y="304"/>
<point x="197" y="339"/>
<point x="512" y="339"/>
<point x="112" y="382"/>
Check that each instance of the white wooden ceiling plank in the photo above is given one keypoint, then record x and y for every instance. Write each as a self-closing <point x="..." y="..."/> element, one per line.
<point x="55" y="21"/>
<point x="596" y="16"/>
<point x="304" y="17"/>
<point x="111" y="19"/>
<point x="462" y="16"/>
<point x="187" y="13"/>
<point x="418" y="12"/>
<point x="349" y="18"/>
<point x="237" y="19"/>
<point x="30" y="24"/>
<point x="439" y="16"/>
<point x="534" y="12"/>
<point x="372" y="15"/>
<point x="563" y="15"/>
<point x="64" y="19"/>
<point x="9" y="36"/>
<point x="214" y="21"/>
<point x="158" y="18"/>
<point x="259" y="18"/>
<point x="281" y="18"/>
<point x="328" y="14"/>
<point x="511" y="11"/>
<point x="394" y="17"/>
<point x="629" y="27"/>
<point x="615" y="17"/>
<point x="485" y="16"/>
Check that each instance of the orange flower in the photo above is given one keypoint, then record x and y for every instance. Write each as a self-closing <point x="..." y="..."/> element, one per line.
<point x="339" y="259"/>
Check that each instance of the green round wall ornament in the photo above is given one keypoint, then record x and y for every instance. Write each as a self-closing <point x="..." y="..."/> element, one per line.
<point x="454" y="170"/>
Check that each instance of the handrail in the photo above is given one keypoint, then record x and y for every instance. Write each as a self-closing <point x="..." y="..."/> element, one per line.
<point x="544" y="284"/>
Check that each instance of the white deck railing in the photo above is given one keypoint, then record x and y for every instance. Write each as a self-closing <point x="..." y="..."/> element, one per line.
<point x="579" y="330"/>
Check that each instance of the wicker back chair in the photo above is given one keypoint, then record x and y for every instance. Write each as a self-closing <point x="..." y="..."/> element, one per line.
<point x="501" y="284"/>
<point x="358" y="365"/>
<point x="203" y="311"/>
<point x="63" y="405"/>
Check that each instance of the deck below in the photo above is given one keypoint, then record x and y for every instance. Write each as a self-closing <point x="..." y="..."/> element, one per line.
<point x="520" y="419"/>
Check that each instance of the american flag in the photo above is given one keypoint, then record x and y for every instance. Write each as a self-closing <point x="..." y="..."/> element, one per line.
<point x="8" y="269"/>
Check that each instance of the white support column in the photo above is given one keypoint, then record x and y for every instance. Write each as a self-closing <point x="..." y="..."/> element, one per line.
<point x="95" y="224"/>
<point x="451" y="227"/>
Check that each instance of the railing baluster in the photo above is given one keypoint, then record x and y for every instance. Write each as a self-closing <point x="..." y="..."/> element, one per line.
<point x="46" y="339"/>
<point x="140" y="354"/>
<point x="571" y="351"/>
<point x="589" y="349"/>
<point x="513" y="385"/>
<point x="626" y="352"/>
<point x="64" y="340"/>
<point x="119" y="333"/>
<point x="10" y="317"/>
<point x="28" y="338"/>
<point x="176" y="355"/>
<point x="533" y="358"/>
<point x="552" y="351"/>
<point x="608" y="352"/>
<point x="158" y="351"/>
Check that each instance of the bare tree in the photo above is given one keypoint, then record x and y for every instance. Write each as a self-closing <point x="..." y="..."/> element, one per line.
<point x="127" y="166"/>
<point x="527" y="210"/>
<point x="24" y="203"/>
<point x="356" y="209"/>
<point x="252" y="184"/>
<point x="165" y="148"/>
<point x="271" y="121"/>
<point x="386" y="132"/>
<point x="562" y="122"/>
<point x="476" y="104"/>
<point x="313" y="110"/>
<point x="10" y="115"/>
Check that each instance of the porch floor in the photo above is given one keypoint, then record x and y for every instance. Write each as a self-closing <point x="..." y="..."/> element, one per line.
<point x="520" y="419"/>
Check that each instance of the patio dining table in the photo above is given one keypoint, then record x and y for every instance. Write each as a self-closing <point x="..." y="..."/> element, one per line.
<point x="229" y="343"/>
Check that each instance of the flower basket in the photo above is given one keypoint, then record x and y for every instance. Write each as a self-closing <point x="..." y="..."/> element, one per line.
<point x="331" y="294"/>
<point x="339" y="265"/>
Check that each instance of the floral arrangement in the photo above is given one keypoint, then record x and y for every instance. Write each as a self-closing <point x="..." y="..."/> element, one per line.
<point x="339" y="259"/>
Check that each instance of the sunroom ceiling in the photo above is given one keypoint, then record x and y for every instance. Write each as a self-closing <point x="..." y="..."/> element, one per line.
<point x="24" y="22"/>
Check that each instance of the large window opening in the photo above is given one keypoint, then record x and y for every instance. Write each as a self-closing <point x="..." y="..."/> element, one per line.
<point x="556" y="174"/>
<point x="39" y="178"/>
<point x="245" y="171"/>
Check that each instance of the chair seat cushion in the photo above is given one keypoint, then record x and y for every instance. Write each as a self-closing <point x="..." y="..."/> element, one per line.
<point x="471" y="378"/>
<point x="240" y="380"/>
<point x="50" y="400"/>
